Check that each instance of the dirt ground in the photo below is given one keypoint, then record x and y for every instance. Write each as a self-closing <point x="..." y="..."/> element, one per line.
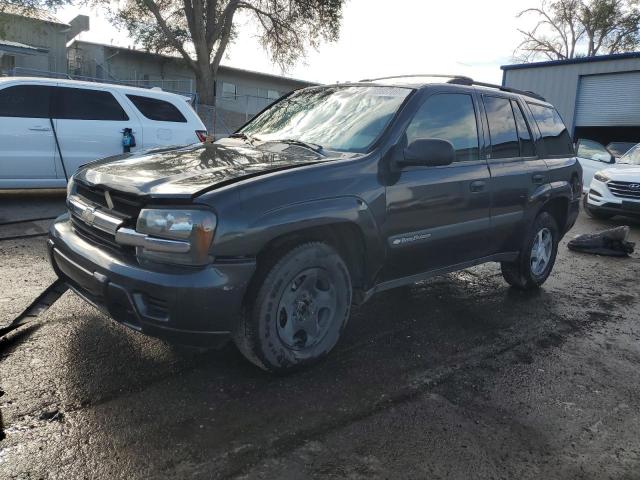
<point x="458" y="377"/>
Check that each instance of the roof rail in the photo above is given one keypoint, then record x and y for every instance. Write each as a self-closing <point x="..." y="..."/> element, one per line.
<point x="463" y="80"/>
<point x="436" y="75"/>
<point x="499" y="87"/>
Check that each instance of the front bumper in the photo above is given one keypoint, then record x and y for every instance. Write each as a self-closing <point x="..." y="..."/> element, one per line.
<point x="600" y="198"/>
<point x="191" y="306"/>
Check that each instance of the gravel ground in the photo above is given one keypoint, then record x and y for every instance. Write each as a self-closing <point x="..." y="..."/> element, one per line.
<point x="457" y="377"/>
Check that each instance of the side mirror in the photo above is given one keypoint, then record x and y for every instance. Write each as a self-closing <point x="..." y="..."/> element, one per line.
<point x="612" y="159"/>
<point x="431" y="152"/>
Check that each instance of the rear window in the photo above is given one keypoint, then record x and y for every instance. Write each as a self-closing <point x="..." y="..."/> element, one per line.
<point x="85" y="104"/>
<point x="555" y="136"/>
<point x="26" y="101"/>
<point x="158" y="110"/>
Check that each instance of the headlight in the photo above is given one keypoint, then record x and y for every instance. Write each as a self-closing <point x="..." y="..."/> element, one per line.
<point x="601" y="176"/>
<point x="193" y="228"/>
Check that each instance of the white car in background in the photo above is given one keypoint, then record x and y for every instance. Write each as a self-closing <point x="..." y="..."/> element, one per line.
<point x="616" y="190"/>
<point x="49" y="127"/>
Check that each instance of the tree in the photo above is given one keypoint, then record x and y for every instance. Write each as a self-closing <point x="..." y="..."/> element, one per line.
<point x="201" y="30"/>
<point x="574" y="28"/>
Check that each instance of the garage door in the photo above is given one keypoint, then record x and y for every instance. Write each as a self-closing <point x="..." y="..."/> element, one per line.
<point x="611" y="99"/>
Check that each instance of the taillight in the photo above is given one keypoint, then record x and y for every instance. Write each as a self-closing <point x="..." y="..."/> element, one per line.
<point x="202" y="135"/>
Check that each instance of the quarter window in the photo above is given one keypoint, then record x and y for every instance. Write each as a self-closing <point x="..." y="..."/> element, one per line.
<point x="524" y="134"/>
<point x="555" y="136"/>
<point x="448" y="116"/>
<point x="158" y="110"/>
<point x="502" y="128"/>
<point x="85" y="104"/>
<point x="26" y="101"/>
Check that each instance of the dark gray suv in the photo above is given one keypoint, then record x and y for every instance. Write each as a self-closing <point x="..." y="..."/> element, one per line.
<point x="328" y="196"/>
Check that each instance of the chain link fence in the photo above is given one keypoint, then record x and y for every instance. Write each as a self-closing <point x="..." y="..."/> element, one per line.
<point x="230" y="113"/>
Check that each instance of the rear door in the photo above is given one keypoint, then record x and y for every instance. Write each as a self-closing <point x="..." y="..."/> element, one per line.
<point x="90" y="123"/>
<point x="27" y="149"/>
<point x="516" y="170"/>
<point x="162" y="121"/>
<point x="439" y="216"/>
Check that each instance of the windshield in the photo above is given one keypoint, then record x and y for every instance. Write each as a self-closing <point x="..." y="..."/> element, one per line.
<point x="343" y="118"/>
<point x="632" y="157"/>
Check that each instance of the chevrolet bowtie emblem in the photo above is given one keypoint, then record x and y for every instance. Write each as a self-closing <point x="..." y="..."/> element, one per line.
<point x="88" y="215"/>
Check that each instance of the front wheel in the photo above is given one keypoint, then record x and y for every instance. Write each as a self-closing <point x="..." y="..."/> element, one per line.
<point x="301" y="306"/>
<point x="536" y="260"/>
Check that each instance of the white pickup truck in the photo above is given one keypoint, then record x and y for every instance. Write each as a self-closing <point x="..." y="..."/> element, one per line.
<point x="49" y="127"/>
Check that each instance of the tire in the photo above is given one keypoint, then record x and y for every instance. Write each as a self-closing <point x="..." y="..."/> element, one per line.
<point x="528" y="272"/>
<point x="594" y="213"/>
<point x="300" y="306"/>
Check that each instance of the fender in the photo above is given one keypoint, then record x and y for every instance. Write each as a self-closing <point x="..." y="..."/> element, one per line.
<point x="308" y="214"/>
<point x="547" y="192"/>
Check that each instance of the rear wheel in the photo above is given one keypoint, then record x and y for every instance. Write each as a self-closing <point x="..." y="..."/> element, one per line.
<point x="537" y="257"/>
<point x="301" y="305"/>
<point x="594" y="213"/>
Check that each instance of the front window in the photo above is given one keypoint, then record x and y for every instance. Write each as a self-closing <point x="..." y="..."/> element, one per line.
<point x="343" y="118"/>
<point x="632" y="157"/>
<point x="592" y="150"/>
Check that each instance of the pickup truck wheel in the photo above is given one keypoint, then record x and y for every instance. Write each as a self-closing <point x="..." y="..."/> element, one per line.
<point x="302" y="305"/>
<point x="594" y="213"/>
<point x="537" y="256"/>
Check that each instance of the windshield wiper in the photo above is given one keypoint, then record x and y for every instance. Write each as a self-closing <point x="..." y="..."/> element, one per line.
<point x="244" y="136"/>
<point x="308" y="145"/>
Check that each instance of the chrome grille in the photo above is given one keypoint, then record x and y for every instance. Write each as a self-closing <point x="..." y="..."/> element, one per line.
<point x="629" y="190"/>
<point x="96" y="213"/>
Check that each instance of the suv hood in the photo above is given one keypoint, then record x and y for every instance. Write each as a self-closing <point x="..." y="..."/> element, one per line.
<point x="624" y="172"/>
<point x="185" y="172"/>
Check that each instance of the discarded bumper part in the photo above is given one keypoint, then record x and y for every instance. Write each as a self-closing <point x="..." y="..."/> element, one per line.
<point x="612" y="242"/>
<point x="41" y="304"/>
<point x="191" y="306"/>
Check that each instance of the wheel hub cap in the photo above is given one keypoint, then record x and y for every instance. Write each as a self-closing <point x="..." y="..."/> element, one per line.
<point x="306" y="309"/>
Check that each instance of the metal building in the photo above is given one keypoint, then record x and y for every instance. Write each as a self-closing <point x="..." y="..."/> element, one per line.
<point x="598" y="97"/>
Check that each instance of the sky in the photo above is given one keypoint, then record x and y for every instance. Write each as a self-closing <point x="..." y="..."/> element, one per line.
<point x="381" y="38"/>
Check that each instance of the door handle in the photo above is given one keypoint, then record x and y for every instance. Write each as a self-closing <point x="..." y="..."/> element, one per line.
<point x="477" y="186"/>
<point x="538" y="179"/>
<point x="40" y="129"/>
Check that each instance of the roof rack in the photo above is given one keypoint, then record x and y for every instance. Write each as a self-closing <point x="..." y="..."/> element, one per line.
<point x="463" y="80"/>
<point x="436" y="75"/>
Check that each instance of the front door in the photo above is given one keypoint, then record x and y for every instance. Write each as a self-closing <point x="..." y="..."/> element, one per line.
<point x="90" y="124"/>
<point x="439" y="216"/>
<point x="27" y="145"/>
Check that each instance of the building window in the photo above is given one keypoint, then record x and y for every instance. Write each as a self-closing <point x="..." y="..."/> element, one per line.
<point x="273" y="94"/>
<point x="7" y="63"/>
<point x="229" y="89"/>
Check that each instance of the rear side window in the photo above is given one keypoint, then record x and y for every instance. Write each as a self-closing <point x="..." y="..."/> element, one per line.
<point x="27" y="101"/>
<point x="502" y="128"/>
<point x="524" y="134"/>
<point x="555" y="136"/>
<point x="85" y="104"/>
<point x="448" y="116"/>
<point x="158" y="110"/>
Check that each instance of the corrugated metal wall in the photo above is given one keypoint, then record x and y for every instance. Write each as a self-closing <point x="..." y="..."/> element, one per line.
<point x="559" y="83"/>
